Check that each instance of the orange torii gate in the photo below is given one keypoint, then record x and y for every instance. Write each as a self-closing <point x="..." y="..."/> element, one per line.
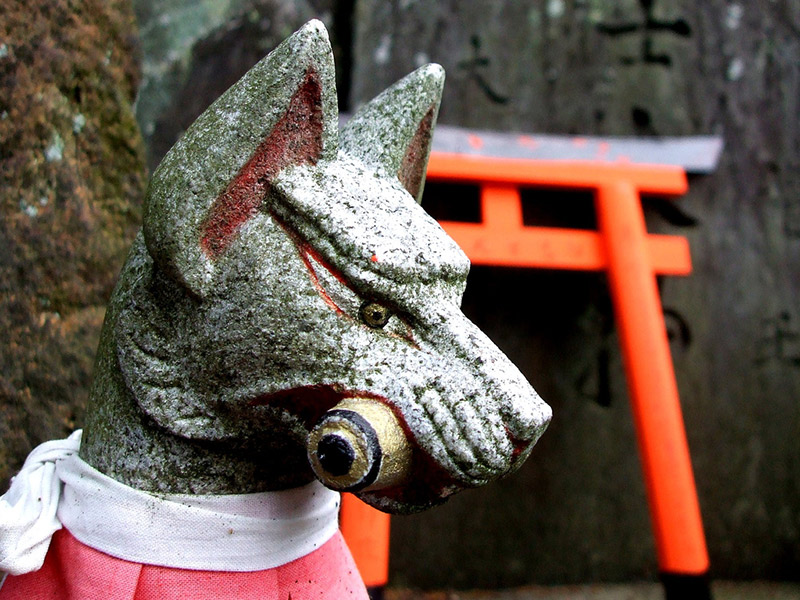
<point x="632" y="258"/>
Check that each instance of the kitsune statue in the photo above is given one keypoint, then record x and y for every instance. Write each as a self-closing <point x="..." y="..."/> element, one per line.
<point x="288" y="313"/>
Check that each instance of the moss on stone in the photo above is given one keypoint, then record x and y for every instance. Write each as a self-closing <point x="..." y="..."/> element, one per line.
<point x="72" y="176"/>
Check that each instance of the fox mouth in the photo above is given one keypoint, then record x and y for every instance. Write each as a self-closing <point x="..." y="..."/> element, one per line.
<point x="357" y="440"/>
<point x="309" y="403"/>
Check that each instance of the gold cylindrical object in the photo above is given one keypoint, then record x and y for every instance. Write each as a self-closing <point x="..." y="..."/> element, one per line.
<point x="359" y="445"/>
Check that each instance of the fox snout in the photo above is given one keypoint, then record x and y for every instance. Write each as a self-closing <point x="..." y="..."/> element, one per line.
<point x="460" y="416"/>
<point x="496" y="410"/>
<point x="474" y="412"/>
<point x="390" y="295"/>
<point x="499" y="414"/>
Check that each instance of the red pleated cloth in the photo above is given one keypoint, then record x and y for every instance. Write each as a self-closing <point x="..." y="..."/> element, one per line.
<point x="74" y="571"/>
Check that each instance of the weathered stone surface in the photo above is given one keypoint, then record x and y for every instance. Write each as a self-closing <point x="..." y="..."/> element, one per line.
<point x="72" y="173"/>
<point x="578" y="511"/>
<point x="244" y="312"/>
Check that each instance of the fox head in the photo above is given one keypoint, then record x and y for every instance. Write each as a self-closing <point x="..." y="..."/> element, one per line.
<point x="284" y="265"/>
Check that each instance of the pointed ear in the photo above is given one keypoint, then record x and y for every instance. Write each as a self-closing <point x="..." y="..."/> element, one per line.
<point x="393" y="132"/>
<point x="295" y="139"/>
<point x="283" y="112"/>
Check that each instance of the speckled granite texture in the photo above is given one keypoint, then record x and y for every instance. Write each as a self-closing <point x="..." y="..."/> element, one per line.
<point x="239" y="318"/>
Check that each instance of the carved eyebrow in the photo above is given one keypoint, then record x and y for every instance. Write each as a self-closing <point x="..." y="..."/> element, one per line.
<point x="374" y="217"/>
<point x="313" y="260"/>
<point x="418" y="262"/>
<point x="309" y="257"/>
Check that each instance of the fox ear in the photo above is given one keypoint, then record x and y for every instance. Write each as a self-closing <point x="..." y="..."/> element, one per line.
<point x="283" y="112"/>
<point x="393" y="132"/>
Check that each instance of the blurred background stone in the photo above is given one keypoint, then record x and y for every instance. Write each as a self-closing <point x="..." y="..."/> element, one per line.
<point x="194" y="51"/>
<point x="72" y="172"/>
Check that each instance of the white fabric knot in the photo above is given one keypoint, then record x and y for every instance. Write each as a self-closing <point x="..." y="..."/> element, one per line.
<point x="236" y="532"/>
<point x="28" y="509"/>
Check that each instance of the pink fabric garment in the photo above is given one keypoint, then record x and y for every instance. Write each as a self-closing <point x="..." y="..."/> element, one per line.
<point x="74" y="571"/>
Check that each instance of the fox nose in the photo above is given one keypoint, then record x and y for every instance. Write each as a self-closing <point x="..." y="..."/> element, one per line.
<point x="359" y="445"/>
<point x="512" y="411"/>
<point x="524" y="413"/>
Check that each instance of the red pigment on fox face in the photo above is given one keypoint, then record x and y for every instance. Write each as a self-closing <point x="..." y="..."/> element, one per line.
<point x="295" y="139"/>
<point x="312" y="272"/>
<point x="309" y="256"/>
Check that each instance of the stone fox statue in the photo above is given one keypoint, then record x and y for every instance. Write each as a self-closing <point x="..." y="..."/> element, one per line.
<point x="287" y="281"/>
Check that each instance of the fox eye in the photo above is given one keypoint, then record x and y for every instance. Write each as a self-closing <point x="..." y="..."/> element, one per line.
<point x="374" y="314"/>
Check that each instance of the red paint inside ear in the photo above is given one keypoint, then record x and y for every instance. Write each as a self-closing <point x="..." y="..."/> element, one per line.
<point x="295" y="139"/>
<point x="412" y="169"/>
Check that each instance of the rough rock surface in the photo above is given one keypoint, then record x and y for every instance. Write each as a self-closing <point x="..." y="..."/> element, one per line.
<point x="71" y="179"/>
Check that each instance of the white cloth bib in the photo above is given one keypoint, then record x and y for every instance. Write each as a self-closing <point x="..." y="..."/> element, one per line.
<point x="242" y="532"/>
